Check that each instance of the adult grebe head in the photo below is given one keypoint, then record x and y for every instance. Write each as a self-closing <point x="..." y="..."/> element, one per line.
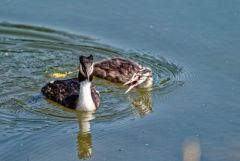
<point x="85" y="68"/>
<point x="141" y="78"/>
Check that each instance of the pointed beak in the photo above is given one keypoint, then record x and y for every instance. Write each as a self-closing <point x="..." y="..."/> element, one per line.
<point x="89" y="72"/>
<point x="88" y="75"/>
<point x="134" y="83"/>
<point x="134" y="78"/>
<point x="138" y="78"/>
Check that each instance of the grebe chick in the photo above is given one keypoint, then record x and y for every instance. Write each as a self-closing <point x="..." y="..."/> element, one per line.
<point x="75" y="93"/>
<point x="124" y="71"/>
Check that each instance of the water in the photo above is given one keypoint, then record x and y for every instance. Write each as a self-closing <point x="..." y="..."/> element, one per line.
<point x="190" y="114"/>
<point x="32" y="56"/>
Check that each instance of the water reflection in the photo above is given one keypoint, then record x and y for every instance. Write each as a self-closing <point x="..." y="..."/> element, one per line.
<point x="84" y="138"/>
<point x="30" y="56"/>
<point x="141" y="103"/>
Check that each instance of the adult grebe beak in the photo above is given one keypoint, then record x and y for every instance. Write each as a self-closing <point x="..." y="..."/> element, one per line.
<point x="88" y="74"/>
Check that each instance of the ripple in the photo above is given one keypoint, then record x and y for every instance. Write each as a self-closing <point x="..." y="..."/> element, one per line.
<point x="29" y="56"/>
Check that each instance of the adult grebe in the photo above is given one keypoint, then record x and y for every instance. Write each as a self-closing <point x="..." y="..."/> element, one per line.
<point x="75" y="93"/>
<point x="124" y="71"/>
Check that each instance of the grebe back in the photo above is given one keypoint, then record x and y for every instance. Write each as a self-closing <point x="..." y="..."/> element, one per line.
<point x="124" y="71"/>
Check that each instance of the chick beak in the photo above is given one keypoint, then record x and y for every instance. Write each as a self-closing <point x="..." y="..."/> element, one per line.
<point x="131" y="82"/>
<point x="133" y="79"/>
<point x="134" y="83"/>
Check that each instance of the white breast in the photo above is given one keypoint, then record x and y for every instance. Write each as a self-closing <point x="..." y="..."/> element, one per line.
<point x="85" y="101"/>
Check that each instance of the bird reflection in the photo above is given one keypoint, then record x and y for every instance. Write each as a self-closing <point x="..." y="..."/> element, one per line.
<point x="141" y="102"/>
<point x="84" y="138"/>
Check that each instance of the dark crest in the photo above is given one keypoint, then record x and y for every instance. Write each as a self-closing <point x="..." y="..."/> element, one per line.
<point x="86" y="59"/>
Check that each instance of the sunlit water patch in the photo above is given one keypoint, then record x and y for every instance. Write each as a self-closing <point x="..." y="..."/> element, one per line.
<point x="32" y="56"/>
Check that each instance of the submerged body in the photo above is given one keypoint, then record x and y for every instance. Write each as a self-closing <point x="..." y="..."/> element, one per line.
<point x="124" y="71"/>
<point x="77" y="93"/>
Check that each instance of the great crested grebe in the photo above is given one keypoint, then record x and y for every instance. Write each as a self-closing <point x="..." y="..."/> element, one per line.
<point x="75" y="93"/>
<point x="124" y="71"/>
